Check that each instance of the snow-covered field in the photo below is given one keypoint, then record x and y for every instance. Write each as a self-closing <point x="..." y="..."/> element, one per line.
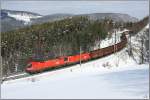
<point x="115" y="76"/>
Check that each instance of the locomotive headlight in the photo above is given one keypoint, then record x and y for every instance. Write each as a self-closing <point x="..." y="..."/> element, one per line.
<point x="29" y="67"/>
<point x="57" y="62"/>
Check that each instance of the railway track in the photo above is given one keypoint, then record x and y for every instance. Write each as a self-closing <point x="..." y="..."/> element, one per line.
<point x="17" y="76"/>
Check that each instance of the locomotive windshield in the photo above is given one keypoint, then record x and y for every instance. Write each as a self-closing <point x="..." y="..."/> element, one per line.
<point x="29" y="65"/>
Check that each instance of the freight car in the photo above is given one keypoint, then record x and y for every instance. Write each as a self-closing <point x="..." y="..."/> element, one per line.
<point x="37" y="66"/>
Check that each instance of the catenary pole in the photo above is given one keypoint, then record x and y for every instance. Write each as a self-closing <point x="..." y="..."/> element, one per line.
<point x="1" y="71"/>
<point x="80" y="55"/>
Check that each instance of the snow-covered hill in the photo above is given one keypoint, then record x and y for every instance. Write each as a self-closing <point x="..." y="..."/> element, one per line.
<point x="20" y="15"/>
<point x="23" y="16"/>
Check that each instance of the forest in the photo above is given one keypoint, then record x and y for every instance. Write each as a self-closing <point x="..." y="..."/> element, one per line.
<point x="53" y="39"/>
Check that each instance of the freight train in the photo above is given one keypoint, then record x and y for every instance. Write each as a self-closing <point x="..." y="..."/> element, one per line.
<point x="40" y="66"/>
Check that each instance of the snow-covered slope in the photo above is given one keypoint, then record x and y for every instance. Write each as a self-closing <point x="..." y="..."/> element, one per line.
<point x="136" y="43"/>
<point x="21" y="15"/>
<point x="116" y="76"/>
<point x="147" y="26"/>
<point x="110" y="40"/>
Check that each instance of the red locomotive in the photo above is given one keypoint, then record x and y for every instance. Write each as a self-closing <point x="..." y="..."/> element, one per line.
<point x="36" y="66"/>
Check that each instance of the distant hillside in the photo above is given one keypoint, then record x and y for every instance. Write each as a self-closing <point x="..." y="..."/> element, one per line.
<point x="17" y="19"/>
<point x="50" y="18"/>
<point x="118" y="17"/>
<point x="12" y="13"/>
<point x="9" y="23"/>
<point x="11" y="19"/>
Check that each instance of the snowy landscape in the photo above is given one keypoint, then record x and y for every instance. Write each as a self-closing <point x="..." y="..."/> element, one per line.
<point x="49" y="30"/>
<point x="114" y="76"/>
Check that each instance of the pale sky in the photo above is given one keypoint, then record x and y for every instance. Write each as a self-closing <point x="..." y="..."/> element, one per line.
<point x="137" y="9"/>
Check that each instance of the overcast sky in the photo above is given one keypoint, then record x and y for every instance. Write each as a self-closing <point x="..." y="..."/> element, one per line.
<point x="137" y="9"/>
